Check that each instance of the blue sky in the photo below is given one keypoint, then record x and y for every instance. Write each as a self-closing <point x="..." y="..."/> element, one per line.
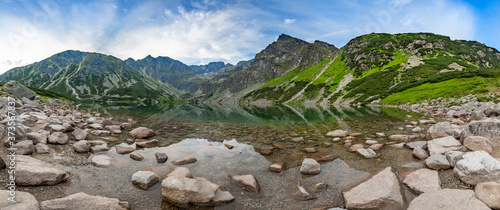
<point x="201" y="31"/>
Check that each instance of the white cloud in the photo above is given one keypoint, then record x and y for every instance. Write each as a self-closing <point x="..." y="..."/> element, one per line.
<point x="289" y="21"/>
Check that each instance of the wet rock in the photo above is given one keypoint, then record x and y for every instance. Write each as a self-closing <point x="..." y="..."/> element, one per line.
<point x="366" y="153"/>
<point x="310" y="150"/>
<point x="437" y="162"/>
<point x="376" y="147"/>
<point x="402" y="137"/>
<point x="423" y="180"/>
<point x="489" y="128"/>
<point x="182" y="191"/>
<point x="147" y="144"/>
<point x="101" y="132"/>
<point x="98" y="148"/>
<point x="141" y="133"/>
<point x="415" y="144"/>
<point x="42" y="148"/>
<point x="145" y="179"/>
<point x="80" y="134"/>
<point x="447" y="199"/>
<point x="489" y="194"/>
<point x="82" y="201"/>
<point x="184" y="161"/>
<point x="310" y="167"/>
<point x="427" y="122"/>
<point x="136" y="156"/>
<point x="37" y="138"/>
<point x="248" y="182"/>
<point x="58" y="138"/>
<point x="382" y="191"/>
<point x="181" y="171"/>
<point x="276" y="167"/>
<point x="477" y="167"/>
<point x="123" y="149"/>
<point x="24" y="147"/>
<point x="102" y="161"/>
<point x="337" y="133"/>
<point x="420" y="153"/>
<point x="31" y="171"/>
<point x="21" y="201"/>
<point x="82" y="146"/>
<point x="477" y="143"/>
<point x="161" y="157"/>
<point x="453" y="157"/>
<point x="19" y="90"/>
<point x="355" y="147"/>
<point x="126" y="126"/>
<point x="441" y="145"/>
<point x="303" y="193"/>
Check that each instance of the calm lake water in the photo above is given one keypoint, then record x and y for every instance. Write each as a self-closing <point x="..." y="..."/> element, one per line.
<point x="260" y="136"/>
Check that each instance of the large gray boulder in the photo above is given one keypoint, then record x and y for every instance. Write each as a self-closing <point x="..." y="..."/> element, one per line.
<point x="489" y="128"/>
<point x="489" y="193"/>
<point x="441" y="145"/>
<point x="31" y="171"/>
<point x="183" y="191"/>
<point x="439" y="130"/>
<point x="82" y="201"/>
<point x="423" y="180"/>
<point x="452" y="199"/>
<point x="382" y="191"/>
<point x="22" y="200"/>
<point x="476" y="167"/>
<point x="19" y="90"/>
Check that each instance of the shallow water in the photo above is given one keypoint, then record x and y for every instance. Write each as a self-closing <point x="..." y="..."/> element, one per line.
<point x="201" y="132"/>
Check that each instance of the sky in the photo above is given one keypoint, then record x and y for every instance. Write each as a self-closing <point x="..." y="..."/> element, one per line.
<point x="201" y="31"/>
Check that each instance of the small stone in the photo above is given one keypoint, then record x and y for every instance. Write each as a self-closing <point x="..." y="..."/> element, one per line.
<point x="126" y="126"/>
<point x="145" y="179"/>
<point x="310" y="150"/>
<point x="477" y="143"/>
<point x="147" y="144"/>
<point x="420" y="153"/>
<point x="229" y="146"/>
<point x="371" y="142"/>
<point x="184" y="161"/>
<point x="142" y="132"/>
<point x="366" y="153"/>
<point x="81" y="146"/>
<point x="310" y="167"/>
<point x="380" y="135"/>
<point x="279" y="145"/>
<point x="161" y="157"/>
<point x="99" y="148"/>
<point x="124" y="149"/>
<point x="355" y="147"/>
<point x="136" y="156"/>
<point x="248" y="182"/>
<point x="266" y="151"/>
<point x="337" y="133"/>
<point x="58" y="138"/>
<point x="437" y="162"/>
<point x="415" y="144"/>
<point x="398" y="146"/>
<point x="80" y="134"/>
<point x="325" y="157"/>
<point x="319" y="187"/>
<point x="298" y="139"/>
<point x="276" y="167"/>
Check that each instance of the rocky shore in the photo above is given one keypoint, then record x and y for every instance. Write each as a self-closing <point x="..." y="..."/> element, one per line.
<point x="458" y="143"/>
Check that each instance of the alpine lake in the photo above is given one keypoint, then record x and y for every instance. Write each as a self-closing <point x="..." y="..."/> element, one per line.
<point x="261" y="136"/>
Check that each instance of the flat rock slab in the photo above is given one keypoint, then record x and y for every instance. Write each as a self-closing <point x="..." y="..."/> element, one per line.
<point x="248" y="182"/>
<point x="449" y="199"/>
<point x="184" y="161"/>
<point x="82" y="201"/>
<point x="382" y="191"/>
<point x="423" y="180"/>
<point x="22" y="200"/>
<point x="31" y="171"/>
<point x="124" y="149"/>
<point x="102" y="161"/>
<point x="441" y="145"/>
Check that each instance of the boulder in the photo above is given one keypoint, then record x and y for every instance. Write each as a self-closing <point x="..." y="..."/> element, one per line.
<point x="439" y="130"/>
<point x="42" y="148"/>
<point x="489" y="194"/>
<point x="124" y="149"/>
<point x="183" y="191"/>
<point x="80" y="134"/>
<point x="24" y="147"/>
<point x="141" y="133"/>
<point x="103" y="161"/>
<point x="423" y="180"/>
<point x="276" y="167"/>
<point x="19" y="90"/>
<point x="21" y="201"/>
<point x="161" y="157"/>
<point x="452" y="199"/>
<point x="181" y="171"/>
<point x="382" y="191"/>
<point x="477" y="143"/>
<point x="415" y="144"/>
<point x="420" y="153"/>
<point x="81" y="146"/>
<point x="126" y="126"/>
<point x="184" y="161"/>
<point x="37" y="138"/>
<point x="58" y="138"/>
<point x="366" y="153"/>
<point x="337" y="133"/>
<point x="145" y="179"/>
<point x="476" y="167"/>
<point x="441" y="145"/>
<point x="31" y="171"/>
<point x="82" y="201"/>
<point x="437" y="162"/>
<point x="248" y="182"/>
<point x="489" y="128"/>
<point x="310" y="167"/>
<point x="453" y="157"/>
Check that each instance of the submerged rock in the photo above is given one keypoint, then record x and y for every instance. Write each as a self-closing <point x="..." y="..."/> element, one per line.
<point x="136" y="156"/>
<point x="82" y="201"/>
<point x="447" y="199"/>
<point x="102" y="161"/>
<point x="184" y="161"/>
<point x="161" y="157"/>
<point x="124" y="149"/>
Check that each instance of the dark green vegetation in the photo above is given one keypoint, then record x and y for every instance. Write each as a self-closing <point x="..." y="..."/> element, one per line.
<point x="374" y="68"/>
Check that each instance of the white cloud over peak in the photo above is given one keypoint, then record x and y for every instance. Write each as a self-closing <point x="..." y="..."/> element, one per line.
<point x="289" y="21"/>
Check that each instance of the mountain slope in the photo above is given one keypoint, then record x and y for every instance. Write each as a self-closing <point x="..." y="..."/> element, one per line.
<point x="91" y="76"/>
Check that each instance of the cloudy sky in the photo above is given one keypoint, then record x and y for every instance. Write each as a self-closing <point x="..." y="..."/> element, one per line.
<point x="200" y="31"/>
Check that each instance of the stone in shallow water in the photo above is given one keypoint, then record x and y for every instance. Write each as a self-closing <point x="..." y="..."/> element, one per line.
<point x="276" y="167"/>
<point x="136" y="156"/>
<point x="355" y="147"/>
<point x="376" y="147"/>
<point x="145" y="179"/>
<point x="248" y="182"/>
<point x="82" y="201"/>
<point x="337" y="133"/>
<point x="142" y="132"/>
<point x="161" y="157"/>
<point x="81" y="146"/>
<point x="447" y="199"/>
<point x="310" y="150"/>
<point x="184" y="161"/>
<point x="124" y="149"/>
<point x="102" y="161"/>
<point x="366" y="153"/>
<point x="228" y="146"/>
<point x="310" y="167"/>
<point x="147" y="144"/>
<point x="181" y="171"/>
<point x="420" y="153"/>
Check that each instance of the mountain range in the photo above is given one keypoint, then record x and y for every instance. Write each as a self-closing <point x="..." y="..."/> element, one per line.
<point x="373" y="68"/>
